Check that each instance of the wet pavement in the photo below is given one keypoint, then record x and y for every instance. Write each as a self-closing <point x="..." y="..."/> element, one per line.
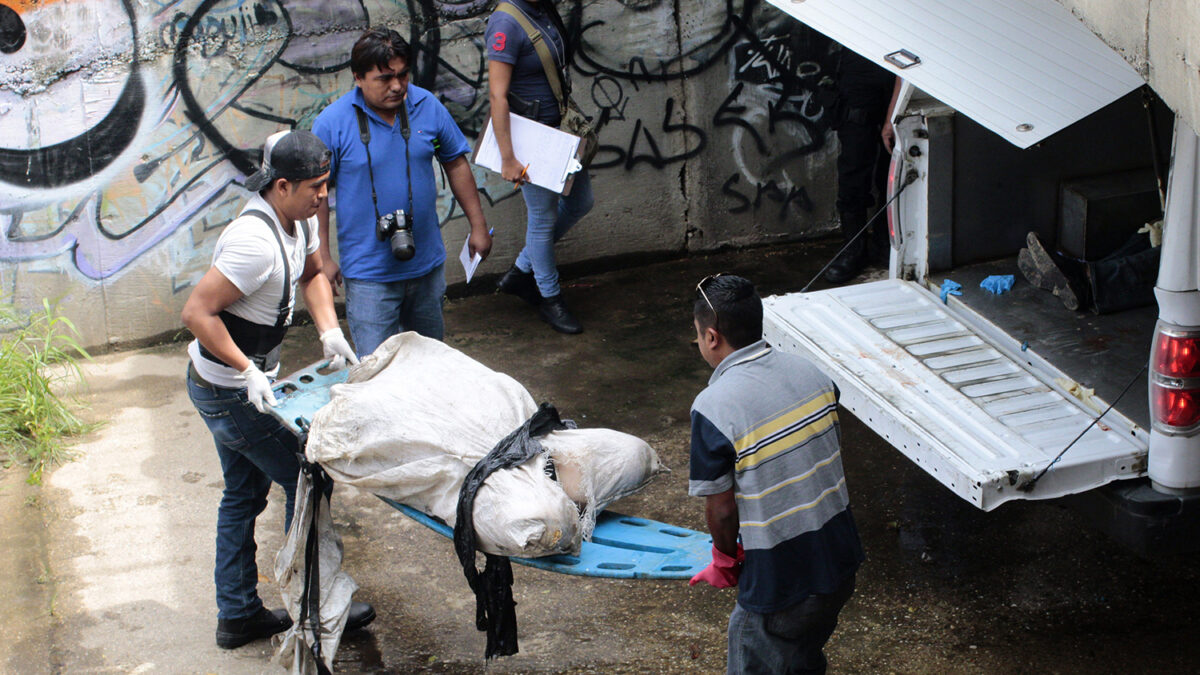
<point x="108" y="567"/>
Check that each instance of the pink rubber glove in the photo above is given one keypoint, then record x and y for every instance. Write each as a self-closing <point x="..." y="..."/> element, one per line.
<point x="723" y="571"/>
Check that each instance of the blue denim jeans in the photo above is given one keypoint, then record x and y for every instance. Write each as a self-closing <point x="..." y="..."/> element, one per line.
<point x="791" y="640"/>
<point x="255" y="449"/>
<point x="378" y="310"/>
<point x="550" y="215"/>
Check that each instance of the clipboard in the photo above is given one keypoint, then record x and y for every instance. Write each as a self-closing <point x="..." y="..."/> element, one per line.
<point x="552" y="154"/>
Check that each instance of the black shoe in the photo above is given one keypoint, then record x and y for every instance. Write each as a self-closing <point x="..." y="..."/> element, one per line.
<point x="853" y="259"/>
<point x="554" y="312"/>
<point x="846" y="267"/>
<point x="521" y="284"/>
<point x="1050" y="273"/>
<point x="233" y="633"/>
<point x="361" y="614"/>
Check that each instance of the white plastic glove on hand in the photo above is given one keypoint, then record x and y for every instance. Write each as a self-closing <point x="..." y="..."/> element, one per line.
<point x="337" y="349"/>
<point x="258" y="388"/>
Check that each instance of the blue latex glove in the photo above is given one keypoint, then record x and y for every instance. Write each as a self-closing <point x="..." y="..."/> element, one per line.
<point x="950" y="288"/>
<point x="998" y="283"/>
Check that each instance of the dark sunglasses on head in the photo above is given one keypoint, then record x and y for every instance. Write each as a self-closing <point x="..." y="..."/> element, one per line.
<point x="700" y="288"/>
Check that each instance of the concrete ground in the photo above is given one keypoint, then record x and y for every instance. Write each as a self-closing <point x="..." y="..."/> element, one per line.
<point x="107" y="567"/>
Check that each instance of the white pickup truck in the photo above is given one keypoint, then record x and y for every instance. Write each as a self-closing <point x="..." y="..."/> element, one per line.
<point x="1011" y="109"/>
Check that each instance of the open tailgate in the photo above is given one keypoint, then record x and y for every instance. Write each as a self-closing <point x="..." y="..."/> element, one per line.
<point x="1022" y="68"/>
<point x="955" y="394"/>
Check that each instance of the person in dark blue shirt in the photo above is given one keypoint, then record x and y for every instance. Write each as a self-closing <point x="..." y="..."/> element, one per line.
<point x="390" y="173"/>
<point x="517" y="83"/>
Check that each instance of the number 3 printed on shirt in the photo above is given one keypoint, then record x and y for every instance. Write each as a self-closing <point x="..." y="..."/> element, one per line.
<point x="501" y="40"/>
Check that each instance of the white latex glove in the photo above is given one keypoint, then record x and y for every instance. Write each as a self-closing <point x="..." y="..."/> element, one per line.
<point x="1155" y="230"/>
<point x="258" y="388"/>
<point x="337" y="349"/>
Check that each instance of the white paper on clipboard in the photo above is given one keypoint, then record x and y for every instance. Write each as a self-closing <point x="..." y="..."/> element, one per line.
<point x="549" y="152"/>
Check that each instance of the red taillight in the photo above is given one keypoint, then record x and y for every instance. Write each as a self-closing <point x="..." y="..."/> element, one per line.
<point x="1177" y="355"/>
<point x="1176" y="407"/>
<point x="1175" y="378"/>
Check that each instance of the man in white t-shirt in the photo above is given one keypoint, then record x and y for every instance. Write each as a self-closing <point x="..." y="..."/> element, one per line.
<point x="239" y="313"/>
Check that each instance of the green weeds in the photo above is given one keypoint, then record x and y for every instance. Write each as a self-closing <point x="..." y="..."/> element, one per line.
<point x="36" y="353"/>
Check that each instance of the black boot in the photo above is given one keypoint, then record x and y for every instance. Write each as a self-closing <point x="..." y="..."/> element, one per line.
<point x="852" y="260"/>
<point x="233" y="633"/>
<point x="360" y="615"/>
<point x="554" y="312"/>
<point x="1053" y="272"/>
<point x="521" y="284"/>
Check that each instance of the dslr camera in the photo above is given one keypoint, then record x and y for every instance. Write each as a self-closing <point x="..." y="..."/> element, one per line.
<point x="396" y="228"/>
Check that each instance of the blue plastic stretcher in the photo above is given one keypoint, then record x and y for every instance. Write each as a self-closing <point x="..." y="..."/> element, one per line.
<point x="622" y="547"/>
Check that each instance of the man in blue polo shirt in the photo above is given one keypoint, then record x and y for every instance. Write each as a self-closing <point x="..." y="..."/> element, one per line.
<point x="766" y="455"/>
<point x="381" y="172"/>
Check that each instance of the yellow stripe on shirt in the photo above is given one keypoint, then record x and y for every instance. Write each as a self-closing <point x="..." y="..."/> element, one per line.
<point x="792" y="481"/>
<point x="783" y="420"/>
<point x="787" y="442"/>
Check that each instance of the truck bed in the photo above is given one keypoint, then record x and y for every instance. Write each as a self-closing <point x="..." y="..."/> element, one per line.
<point x="1081" y="344"/>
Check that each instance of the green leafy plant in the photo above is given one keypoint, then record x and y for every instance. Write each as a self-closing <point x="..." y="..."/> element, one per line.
<point x="37" y="352"/>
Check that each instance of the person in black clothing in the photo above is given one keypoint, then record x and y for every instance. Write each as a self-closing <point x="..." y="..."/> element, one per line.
<point x="1123" y="279"/>
<point x="864" y="93"/>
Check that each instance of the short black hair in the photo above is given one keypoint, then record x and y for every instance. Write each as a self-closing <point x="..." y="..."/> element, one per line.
<point x="738" y="309"/>
<point x="377" y="47"/>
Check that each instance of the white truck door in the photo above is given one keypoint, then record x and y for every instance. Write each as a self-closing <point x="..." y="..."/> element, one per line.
<point x="945" y="386"/>
<point x="1022" y="68"/>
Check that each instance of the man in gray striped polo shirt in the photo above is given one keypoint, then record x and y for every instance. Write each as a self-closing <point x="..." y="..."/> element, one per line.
<point x="766" y="455"/>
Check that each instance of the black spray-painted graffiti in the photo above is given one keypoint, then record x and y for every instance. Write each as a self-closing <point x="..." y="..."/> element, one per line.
<point x="785" y="198"/>
<point x="171" y="146"/>
<point x="774" y="66"/>
<point x="92" y="150"/>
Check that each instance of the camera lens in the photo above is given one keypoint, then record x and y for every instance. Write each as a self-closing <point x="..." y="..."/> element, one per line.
<point x="403" y="247"/>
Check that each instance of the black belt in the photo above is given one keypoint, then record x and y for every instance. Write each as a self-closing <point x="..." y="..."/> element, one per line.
<point x="195" y="376"/>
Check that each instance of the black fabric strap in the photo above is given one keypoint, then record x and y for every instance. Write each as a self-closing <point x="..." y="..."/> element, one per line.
<point x="559" y="84"/>
<point x="285" y="302"/>
<point x="364" y="134"/>
<point x="261" y="344"/>
<point x="310" y="599"/>
<point x="495" y="610"/>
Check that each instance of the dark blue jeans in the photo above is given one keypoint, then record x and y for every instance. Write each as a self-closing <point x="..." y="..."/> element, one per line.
<point x="255" y="449"/>
<point x="791" y="640"/>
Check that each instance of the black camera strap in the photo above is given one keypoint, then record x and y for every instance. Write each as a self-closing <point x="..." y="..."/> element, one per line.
<point x="364" y="133"/>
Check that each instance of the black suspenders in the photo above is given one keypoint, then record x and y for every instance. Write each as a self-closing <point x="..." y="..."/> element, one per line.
<point x="261" y="343"/>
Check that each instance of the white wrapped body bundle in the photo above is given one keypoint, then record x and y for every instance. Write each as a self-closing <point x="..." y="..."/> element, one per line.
<point x="413" y="419"/>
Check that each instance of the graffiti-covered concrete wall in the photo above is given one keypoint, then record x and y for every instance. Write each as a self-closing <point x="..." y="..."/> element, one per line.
<point x="127" y="128"/>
